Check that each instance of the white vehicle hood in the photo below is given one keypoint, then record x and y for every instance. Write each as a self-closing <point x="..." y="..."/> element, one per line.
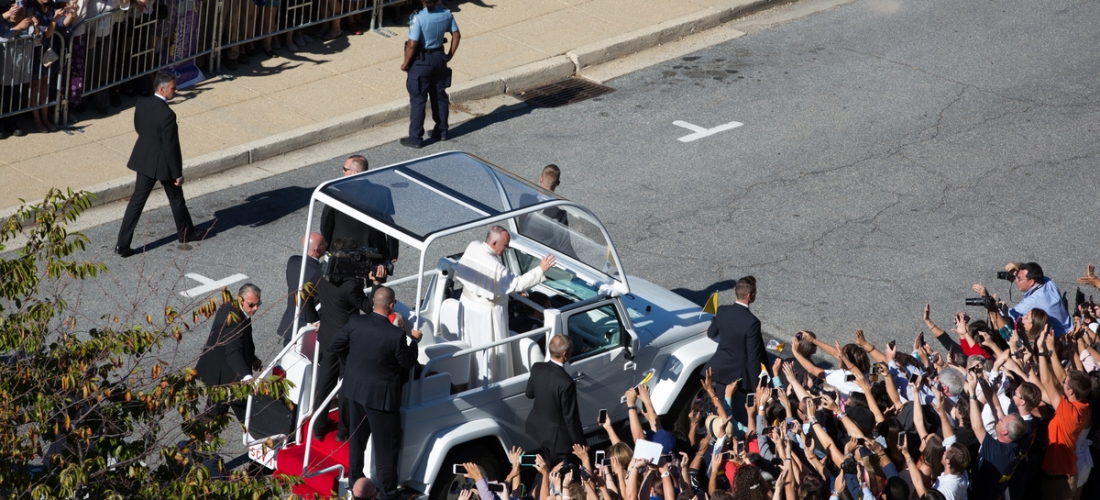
<point x="661" y="317"/>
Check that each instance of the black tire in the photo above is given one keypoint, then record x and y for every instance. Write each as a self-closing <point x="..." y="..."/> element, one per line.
<point x="447" y="484"/>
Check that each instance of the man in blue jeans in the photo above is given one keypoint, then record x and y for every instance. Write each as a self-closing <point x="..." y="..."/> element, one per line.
<point x="426" y="65"/>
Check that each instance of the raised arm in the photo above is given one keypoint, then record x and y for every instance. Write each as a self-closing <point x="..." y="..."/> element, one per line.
<point x="807" y="365"/>
<point x="819" y="432"/>
<point x="945" y="423"/>
<point x="918" y="409"/>
<point x="976" y="423"/>
<point x="636" y="431"/>
<point x="914" y="470"/>
<point x="1051" y="386"/>
<point x="862" y="342"/>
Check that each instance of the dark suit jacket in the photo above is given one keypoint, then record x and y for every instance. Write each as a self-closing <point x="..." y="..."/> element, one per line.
<point x="375" y="355"/>
<point x="554" y="421"/>
<point x="341" y="301"/>
<point x="157" y="150"/>
<point x="309" y="305"/>
<point x="229" y="351"/>
<point x="740" y="346"/>
<point x="335" y="224"/>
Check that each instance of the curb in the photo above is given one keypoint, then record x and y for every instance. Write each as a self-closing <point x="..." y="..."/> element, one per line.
<point x="544" y="72"/>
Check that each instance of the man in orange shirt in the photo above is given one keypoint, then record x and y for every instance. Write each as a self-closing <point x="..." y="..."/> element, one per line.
<point x="1071" y="415"/>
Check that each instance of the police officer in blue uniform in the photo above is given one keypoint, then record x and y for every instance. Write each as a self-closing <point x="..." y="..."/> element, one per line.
<point x="426" y="65"/>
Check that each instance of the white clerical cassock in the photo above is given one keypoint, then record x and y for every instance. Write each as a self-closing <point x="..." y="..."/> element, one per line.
<point x="483" y="309"/>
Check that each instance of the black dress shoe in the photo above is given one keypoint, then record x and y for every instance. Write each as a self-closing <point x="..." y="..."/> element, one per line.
<point x="188" y="236"/>
<point x="124" y="252"/>
<point x="439" y="136"/>
<point x="408" y="142"/>
<point x="340" y="438"/>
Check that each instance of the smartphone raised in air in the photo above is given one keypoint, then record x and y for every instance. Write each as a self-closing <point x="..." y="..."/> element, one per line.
<point x="602" y="419"/>
<point x="460" y="469"/>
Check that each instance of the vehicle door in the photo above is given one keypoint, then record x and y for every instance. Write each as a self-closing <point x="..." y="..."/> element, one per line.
<point x="600" y="362"/>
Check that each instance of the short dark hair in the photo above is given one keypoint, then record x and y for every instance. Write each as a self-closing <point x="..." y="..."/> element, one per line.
<point x="896" y="489"/>
<point x="745" y="287"/>
<point x="1031" y="394"/>
<point x="1034" y="271"/>
<point x="163" y="78"/>
<point x="958" y="457"/>
<point x="1080" y="382"/>
<point x="552" y="172"/>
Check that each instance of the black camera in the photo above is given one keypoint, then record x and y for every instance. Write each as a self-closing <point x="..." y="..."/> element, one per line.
<point x="357" y="264"/>
<point x="848" y="466"/>
<point x="985" y="301"/>
<point x="1008" y="276"/>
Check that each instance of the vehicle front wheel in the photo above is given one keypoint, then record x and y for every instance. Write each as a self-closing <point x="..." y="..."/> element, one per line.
<point x="448" y="485"/>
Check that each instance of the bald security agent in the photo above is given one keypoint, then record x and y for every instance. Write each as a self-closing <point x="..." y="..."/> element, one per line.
<point x="376" y="355"/>
<point x="426" y="65"/>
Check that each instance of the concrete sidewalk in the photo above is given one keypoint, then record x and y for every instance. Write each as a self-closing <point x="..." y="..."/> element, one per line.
<point x="330" y="89"/>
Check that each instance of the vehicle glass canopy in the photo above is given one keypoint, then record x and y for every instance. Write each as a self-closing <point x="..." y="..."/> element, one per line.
<point x="443" y="192"/>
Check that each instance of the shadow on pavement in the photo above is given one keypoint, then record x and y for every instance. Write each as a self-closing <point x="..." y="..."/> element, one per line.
<point x="700" y="296"/>
<point x="495" y="116"/>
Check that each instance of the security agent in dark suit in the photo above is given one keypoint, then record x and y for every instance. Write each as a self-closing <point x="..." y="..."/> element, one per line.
<point x="342" y="299"/>
<point x="376" y="355"/>
<point x="335" y="224"/>
<point x="315" y="248"/>
<point x="156" y="158"/>
<point x="230" y="353"/>
<point x="428" y="74"/>
<point x="740" y="345"/>
<point x="554" y="421"/>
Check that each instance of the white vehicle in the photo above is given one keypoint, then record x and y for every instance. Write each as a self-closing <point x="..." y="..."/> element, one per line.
<point x="621" y="327"/>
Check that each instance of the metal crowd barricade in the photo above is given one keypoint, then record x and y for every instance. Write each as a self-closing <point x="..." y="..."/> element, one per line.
<point x="250" y="21"/>
<point x="27" y="83"/>
<point x="120" y="46"/>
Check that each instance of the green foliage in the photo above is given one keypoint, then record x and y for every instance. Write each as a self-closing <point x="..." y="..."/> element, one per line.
<point x="98" y="413"/>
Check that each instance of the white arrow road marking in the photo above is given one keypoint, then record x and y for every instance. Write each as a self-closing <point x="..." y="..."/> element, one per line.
<point x="209" y="285"/>
<point x="701" y="132"/>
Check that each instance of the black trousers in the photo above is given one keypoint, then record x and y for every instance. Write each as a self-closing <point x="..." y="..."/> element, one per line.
<point x="142" y="188"/>
<point x="329" y="371"/>
<point x="385" y="426"/>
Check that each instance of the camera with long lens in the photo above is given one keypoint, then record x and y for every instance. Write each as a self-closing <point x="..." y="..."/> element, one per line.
<point x="356" y="264"/>
<point x="985" y="301"/>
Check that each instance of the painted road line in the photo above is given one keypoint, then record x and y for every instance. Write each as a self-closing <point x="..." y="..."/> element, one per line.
<point x="700" y="132"/>
<point x="208" y="285"/>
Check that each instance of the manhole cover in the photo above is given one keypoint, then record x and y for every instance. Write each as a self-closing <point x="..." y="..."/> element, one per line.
<point x="562" y="93"/>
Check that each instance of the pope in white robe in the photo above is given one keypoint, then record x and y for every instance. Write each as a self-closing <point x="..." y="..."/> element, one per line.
<point x="483" y="308"/>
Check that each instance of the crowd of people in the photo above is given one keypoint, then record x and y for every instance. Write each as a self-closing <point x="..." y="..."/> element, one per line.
<point x="108" y="50"/>
<point x="1002" y="411"/>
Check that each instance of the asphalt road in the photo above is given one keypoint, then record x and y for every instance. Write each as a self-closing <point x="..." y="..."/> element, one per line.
<point x="892" y="154"/>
